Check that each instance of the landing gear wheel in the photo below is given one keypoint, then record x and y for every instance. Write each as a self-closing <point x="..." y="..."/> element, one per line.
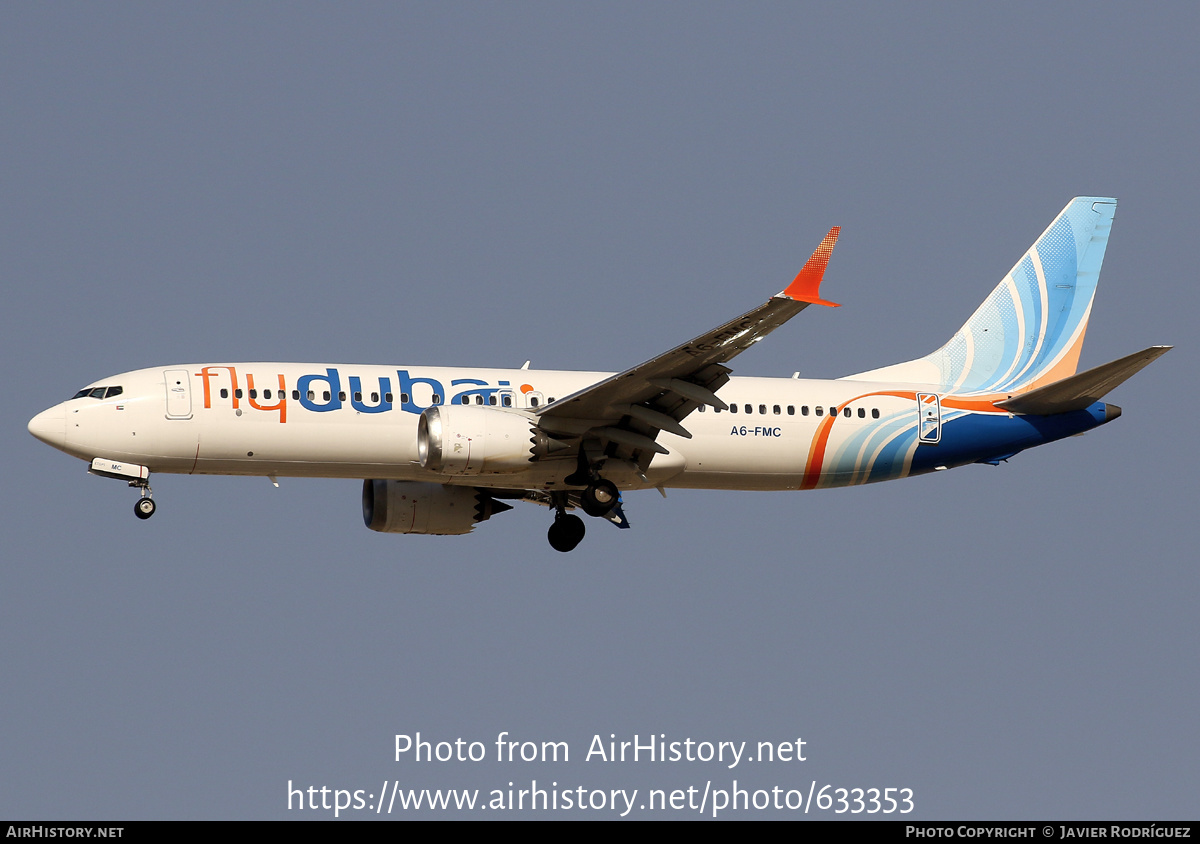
<point x="599" y="498"/>
<point x="144" y="508"/>
<point x="566" y="532"/>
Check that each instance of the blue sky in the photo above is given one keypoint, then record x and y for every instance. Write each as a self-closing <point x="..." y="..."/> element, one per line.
<point x="586" y="185"/>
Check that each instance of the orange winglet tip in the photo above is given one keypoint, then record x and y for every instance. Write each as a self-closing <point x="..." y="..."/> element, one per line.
<point x="807" y="285"/>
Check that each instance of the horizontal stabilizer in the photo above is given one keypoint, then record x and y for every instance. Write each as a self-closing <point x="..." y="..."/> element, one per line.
<point x="1079" y="391"/>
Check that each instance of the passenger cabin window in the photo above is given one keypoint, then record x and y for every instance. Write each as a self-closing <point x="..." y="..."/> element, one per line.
<point x="266" y="394"/>
<point x="749" y="409"/>
<point x="804" y="410"/>
<point x="492" y="400"/>
<point x="357" y="396"/>
<point x="295" y="395"/>
<point x="762" y="410"/>
<point x="874" y="413"/>
<point x="508" y="401"/>
<point x="404" y="398"/>
<point x="437" y="399"/>
<point x="387" y="397"/>
<point x="312" y="395"/>
<point x="862" y="413"/>
<point x="374" y="398"/>
<point x="237" y="393"/>
<point x="224" y="393"/>
<point x="847" y="413"/>
<point x="733" y="408"/>
<point x="254" y="394"/>
<point x="820" y="411"/>
<point x="775" y="410"/>
<point x="533" y="402"/>
<point x="325" y="395"/>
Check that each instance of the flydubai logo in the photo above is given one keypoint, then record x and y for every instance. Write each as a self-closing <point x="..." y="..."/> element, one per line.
<point x="324" y="393"/>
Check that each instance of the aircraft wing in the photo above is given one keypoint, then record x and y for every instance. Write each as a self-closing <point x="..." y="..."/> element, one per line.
<point x="623" y="414"/>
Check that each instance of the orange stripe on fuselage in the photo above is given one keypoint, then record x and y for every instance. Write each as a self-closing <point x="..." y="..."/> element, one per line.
<point x="976" y="404"/>
<point x="816" y="451"/>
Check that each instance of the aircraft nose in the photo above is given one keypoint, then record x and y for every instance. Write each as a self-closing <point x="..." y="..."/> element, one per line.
<point x="50" y="426"/>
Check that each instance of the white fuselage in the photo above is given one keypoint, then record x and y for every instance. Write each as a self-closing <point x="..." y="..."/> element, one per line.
<point x="360" y="421"/>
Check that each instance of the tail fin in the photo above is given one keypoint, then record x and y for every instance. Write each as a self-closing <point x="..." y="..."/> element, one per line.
<point x="1029" y="331"/>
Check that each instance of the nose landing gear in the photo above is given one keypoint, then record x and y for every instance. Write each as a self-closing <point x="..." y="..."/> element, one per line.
<point x="144" y="507"/>
<point x="137" y="476"/>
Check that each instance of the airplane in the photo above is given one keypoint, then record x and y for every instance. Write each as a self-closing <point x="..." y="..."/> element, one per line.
<point x="441" y="449"/>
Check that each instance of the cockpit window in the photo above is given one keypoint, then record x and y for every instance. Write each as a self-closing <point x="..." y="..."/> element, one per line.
<point x="99" y="392"/>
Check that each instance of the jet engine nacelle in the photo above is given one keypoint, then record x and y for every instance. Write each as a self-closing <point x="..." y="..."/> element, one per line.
<point x="411" y="507"/>
<point x="469" y="440"/>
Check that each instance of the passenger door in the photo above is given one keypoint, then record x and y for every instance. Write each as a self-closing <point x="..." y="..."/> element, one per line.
<point x="179" y="393"/>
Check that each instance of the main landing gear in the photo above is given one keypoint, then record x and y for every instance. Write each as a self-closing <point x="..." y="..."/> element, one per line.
<point x="599" y="496"/>
<point x="566" y="532"/>
<point x="598" y="499"/>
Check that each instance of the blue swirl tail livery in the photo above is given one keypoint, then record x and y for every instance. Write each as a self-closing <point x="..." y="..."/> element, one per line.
<point x="1029" y="331"/>
<point x="439" y="449"/>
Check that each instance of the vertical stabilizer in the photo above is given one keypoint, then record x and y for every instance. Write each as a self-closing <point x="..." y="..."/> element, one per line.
<point x="1030" y="330"/>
